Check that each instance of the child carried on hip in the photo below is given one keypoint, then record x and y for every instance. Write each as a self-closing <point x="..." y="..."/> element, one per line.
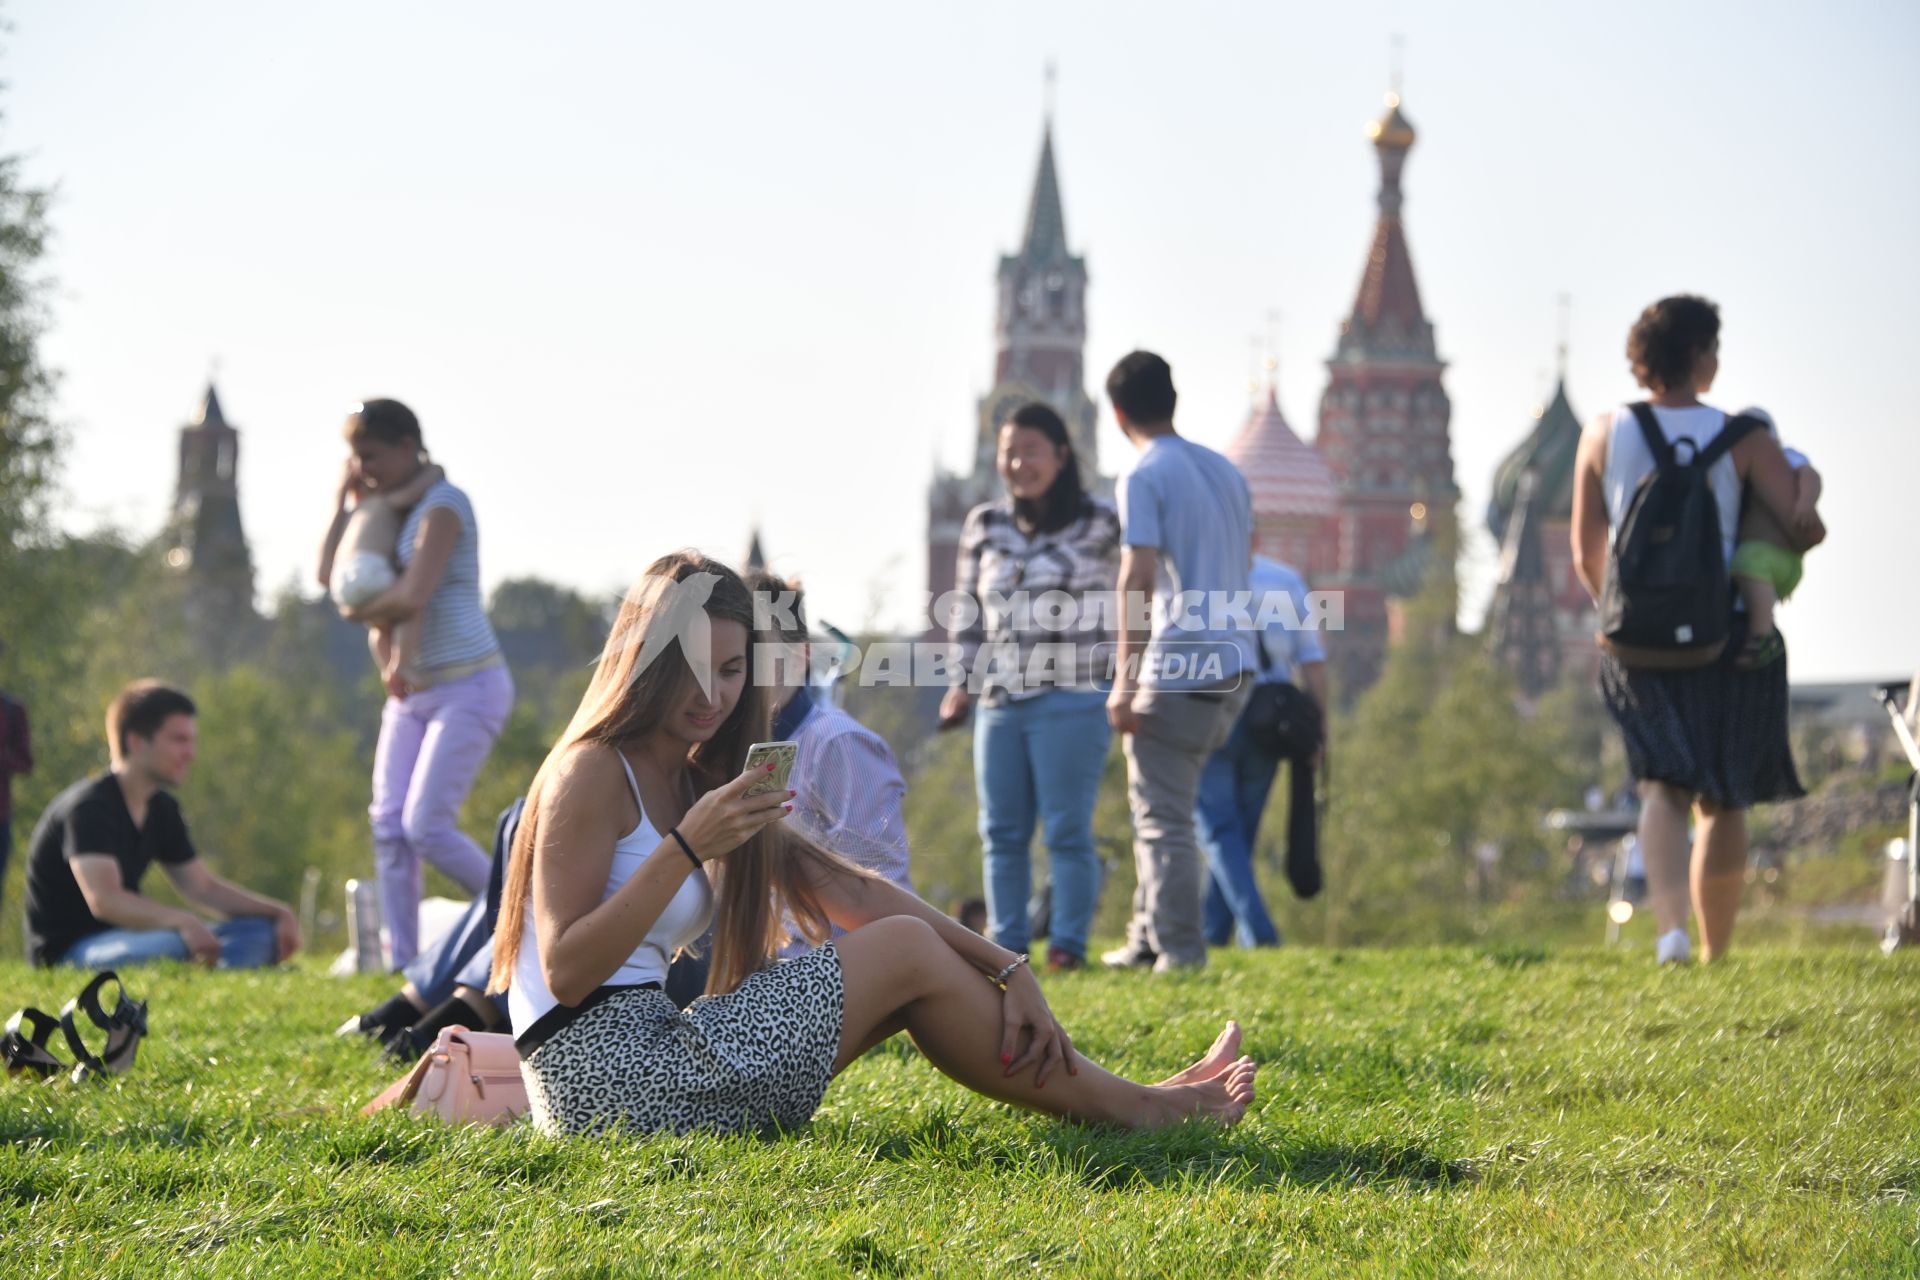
<point x="367" y="563"/>
<point x="1767" y="558"/>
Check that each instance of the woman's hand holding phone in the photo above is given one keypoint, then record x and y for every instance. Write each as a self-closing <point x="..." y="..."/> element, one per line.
<point x="723" y="819"/>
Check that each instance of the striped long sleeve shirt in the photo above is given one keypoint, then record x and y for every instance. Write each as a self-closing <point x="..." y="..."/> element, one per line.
<point x="1043" y="601"/>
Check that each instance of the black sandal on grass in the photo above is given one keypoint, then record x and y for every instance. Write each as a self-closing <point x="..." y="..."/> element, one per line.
<point x="27" y="1051"/>
<point x="124" y="1027"/>
<point x="1760" y="651"/>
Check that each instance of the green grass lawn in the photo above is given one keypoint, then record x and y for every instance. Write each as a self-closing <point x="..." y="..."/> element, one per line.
<point x="1426" y="1113"/>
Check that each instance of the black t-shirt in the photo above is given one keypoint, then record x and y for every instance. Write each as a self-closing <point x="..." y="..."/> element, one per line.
<point x="91" y="817"/>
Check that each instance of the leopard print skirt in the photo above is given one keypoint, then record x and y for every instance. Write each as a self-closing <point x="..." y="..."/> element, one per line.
<point x="755" y="1060"/>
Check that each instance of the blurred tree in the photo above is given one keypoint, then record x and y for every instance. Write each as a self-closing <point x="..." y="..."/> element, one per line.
<point x="1442" y="789"/>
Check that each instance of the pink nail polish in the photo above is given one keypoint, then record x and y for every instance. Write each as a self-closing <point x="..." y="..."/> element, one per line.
<point x="786" y="808"/>
<point x="1006" y="1059"/>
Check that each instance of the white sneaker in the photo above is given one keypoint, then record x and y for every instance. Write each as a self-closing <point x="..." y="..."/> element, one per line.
<point x="1673" y="947"/>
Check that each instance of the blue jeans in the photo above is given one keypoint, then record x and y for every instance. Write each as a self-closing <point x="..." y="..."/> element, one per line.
<point x="1041" y="759"/>
<point x="245" y="943"/>
<point x="463" y="958"/>
<point x="1233" y="794"/>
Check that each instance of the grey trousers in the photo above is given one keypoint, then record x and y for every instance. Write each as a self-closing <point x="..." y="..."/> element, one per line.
<point x="1178" y="731"/>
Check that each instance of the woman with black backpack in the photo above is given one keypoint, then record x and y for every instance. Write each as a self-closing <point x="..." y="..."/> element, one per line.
<point x="1656" y="507"/>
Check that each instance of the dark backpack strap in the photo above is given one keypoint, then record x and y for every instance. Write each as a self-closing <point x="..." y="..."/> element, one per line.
<point x="1650" y="431"/>
<point x="1732" y="432"/>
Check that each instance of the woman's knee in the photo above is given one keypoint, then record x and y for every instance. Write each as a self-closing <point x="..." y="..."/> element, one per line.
<point x="391" y="848"/>
<point x="385" y="819"/>
<point x="1071" y="840"/>
<point x="901" y="942"/>
<point x="428" y="827"/>
<point x="1005" y="833"/>
<point x="910" y="932"/>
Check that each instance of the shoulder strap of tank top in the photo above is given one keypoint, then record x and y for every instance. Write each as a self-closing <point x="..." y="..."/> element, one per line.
<point x="1650" y="430"/>
<point x="632" y="782"/>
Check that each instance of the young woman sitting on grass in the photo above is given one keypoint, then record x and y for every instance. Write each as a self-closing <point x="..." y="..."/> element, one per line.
<point x="639" y="829"/>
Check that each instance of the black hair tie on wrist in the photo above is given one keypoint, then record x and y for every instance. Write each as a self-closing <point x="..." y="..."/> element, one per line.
<point x="685" y="847"/>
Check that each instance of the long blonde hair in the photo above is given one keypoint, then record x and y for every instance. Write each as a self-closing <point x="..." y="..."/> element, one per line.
<point x="760" y="886"/>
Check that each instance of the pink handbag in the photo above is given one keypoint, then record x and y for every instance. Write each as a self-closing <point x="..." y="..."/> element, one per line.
<point x="468" y="1077"/>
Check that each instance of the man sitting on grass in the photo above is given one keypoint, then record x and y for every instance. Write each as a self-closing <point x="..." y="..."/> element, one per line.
<point x="97" y="838"/>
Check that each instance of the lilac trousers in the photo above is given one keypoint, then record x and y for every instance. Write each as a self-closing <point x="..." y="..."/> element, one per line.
<point x="432" y="743"/>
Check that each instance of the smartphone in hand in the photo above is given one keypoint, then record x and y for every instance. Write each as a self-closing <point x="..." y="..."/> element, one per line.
<point x="782" y="754"/>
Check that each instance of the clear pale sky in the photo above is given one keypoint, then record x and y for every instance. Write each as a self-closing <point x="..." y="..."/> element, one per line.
<point x="653" y="274"/>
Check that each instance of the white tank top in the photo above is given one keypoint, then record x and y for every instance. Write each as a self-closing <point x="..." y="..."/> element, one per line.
<point x="684" y="919"/>
<point x="1629" y="461"/>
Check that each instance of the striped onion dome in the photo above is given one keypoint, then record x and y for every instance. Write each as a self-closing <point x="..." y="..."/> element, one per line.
<point x="1287" y="477"/>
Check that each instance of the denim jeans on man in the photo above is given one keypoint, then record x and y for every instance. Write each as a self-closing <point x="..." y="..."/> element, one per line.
<point x="1040" y="758"/>
<point x="245" y="943"/>
<point x="1233" y="794"/>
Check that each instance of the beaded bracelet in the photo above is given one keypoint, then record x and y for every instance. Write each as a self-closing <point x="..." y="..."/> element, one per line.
<point x="1000" y="979"/>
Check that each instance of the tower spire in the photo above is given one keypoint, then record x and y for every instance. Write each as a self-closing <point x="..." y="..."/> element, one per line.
<point x="1271" y="362"/>
<point x="1387" y="316"/>
<point x="1046" y="234"/>
<point x="1560" y="352"/>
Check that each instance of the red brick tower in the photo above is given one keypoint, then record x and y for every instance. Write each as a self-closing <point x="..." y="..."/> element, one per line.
<point x="1383" y="428"/>
<point x="1040" y="332"/>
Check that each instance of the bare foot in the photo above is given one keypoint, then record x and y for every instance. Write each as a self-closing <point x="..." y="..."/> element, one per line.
<point x="1224" y="1098"/>
<point x="1225" y="1049"/>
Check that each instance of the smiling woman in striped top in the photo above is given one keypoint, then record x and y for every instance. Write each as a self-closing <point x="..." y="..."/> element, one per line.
<point x="1040" y="735"/>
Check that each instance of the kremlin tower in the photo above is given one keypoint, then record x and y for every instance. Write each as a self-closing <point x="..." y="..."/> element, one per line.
<point x="1040" y="332"/>
<point x="1383" y="432"/>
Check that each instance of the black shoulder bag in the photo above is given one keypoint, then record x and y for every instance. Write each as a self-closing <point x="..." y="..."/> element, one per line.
<point x="1281" y="718"/>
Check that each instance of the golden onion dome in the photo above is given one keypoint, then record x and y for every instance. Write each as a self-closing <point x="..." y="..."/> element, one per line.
<point x="1391" y="129"/>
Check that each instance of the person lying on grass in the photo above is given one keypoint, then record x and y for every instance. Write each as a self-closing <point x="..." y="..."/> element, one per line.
<point x="642" y="825"/>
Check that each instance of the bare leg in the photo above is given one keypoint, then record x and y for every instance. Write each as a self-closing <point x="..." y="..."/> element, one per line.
<point x="1759" y="595"/>
<point x="1756" y="525"/>
<point x="899" y="970"/>
<point x="1663" y="848"/>
<point x="1719" y="869"/>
